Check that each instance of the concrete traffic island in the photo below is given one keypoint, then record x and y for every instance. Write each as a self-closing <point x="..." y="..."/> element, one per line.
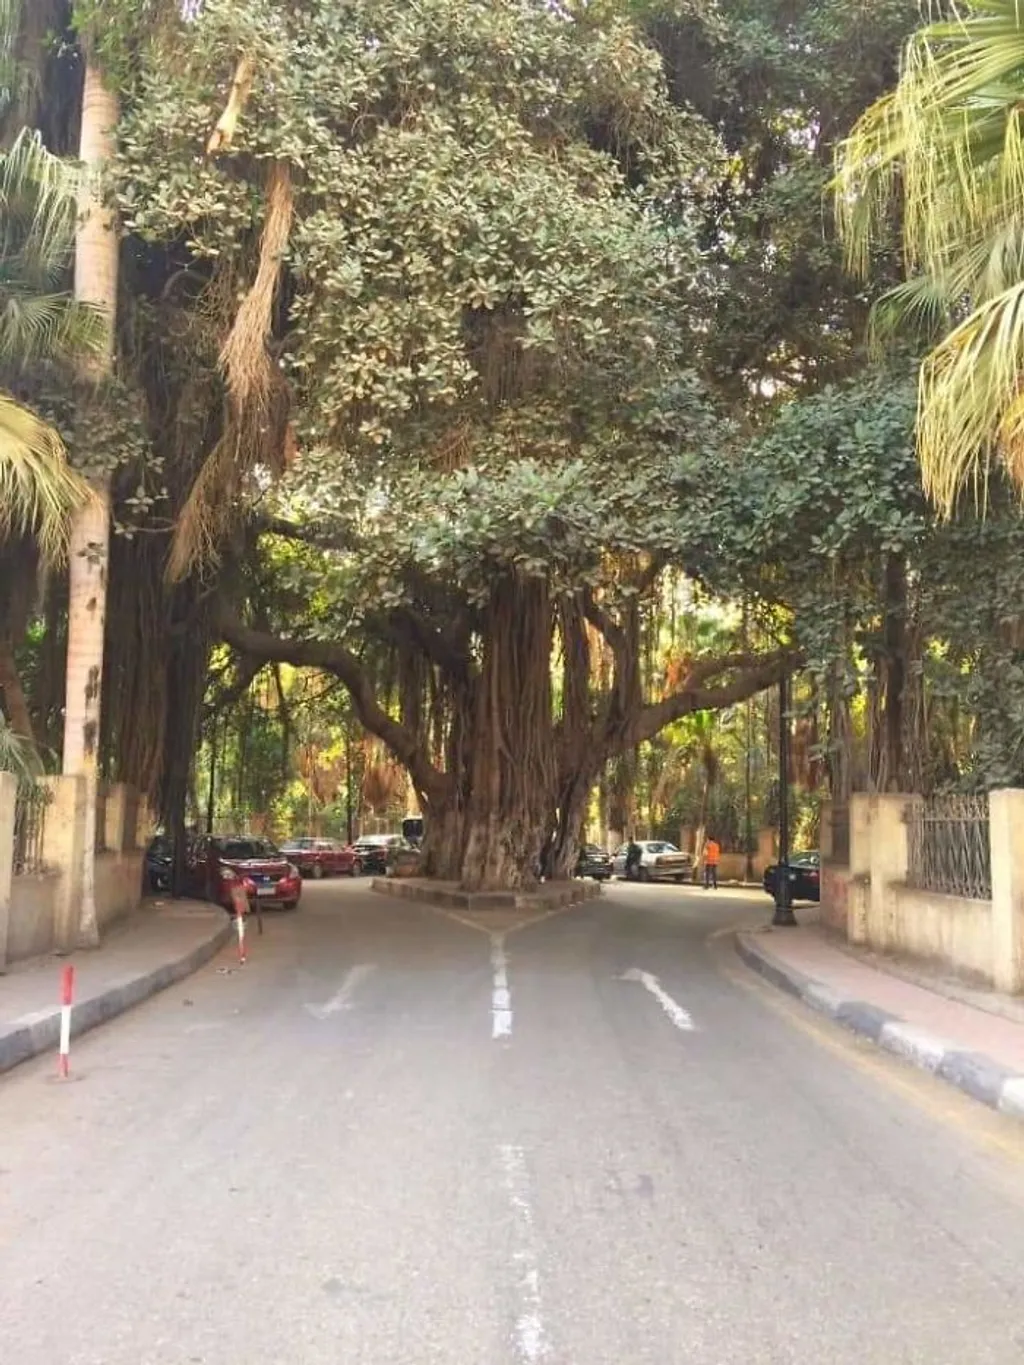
<point x="451" y="896"/>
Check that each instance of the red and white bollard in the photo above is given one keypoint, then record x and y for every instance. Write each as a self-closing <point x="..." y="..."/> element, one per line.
<point x="67" y="996"/>
<point x="241" y="903"/>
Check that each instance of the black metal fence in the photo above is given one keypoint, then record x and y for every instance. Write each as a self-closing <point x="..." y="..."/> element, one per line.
<point x="29" y="828"/>
<point x="948" y="846"/>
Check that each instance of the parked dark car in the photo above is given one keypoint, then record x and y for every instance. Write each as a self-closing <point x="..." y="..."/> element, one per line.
<point x="372" y="852"/>
<point x="804" y="877"/>
<point x="318" y="858"/>
<point x="594" y="862"/>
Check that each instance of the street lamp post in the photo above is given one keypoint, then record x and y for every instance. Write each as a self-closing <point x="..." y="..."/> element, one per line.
<point x="783" y="916"/>
<point x="348" y="787"/>
<point x="748" y="833"/>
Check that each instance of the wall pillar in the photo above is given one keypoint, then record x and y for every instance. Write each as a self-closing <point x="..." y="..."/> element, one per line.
<point x="859" y="891"/>
<point x="63" y="851"/>
<point x="1006" y="823"/>
<point x="8" y="803"/>
<point x="888" y="864"/>
<point x="116" y="816"/>
<point x="825" y="831"/>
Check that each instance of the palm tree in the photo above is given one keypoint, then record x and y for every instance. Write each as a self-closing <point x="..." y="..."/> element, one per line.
<point x="948" y="144"/>
<point x="39" y="492"/>
<point x="38" y="322"/>
<point x="96" y="268"/>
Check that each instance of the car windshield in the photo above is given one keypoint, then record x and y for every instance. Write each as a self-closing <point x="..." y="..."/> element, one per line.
<point x="242" y="849"/>
<point x="298" y="843"/>
<point x="661" y="847"/>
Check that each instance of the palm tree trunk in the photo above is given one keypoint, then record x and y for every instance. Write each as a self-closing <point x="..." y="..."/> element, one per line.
<point x="96" y="260"/>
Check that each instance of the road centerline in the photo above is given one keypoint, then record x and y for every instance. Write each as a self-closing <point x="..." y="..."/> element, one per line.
<point x="529" y="1334"/>
<point x="501" y="996"/>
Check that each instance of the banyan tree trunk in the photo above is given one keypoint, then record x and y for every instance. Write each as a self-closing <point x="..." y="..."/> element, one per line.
<point x="513" y="756"/>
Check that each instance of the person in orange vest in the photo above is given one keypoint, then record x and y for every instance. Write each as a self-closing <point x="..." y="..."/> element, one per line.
<point x="712" y="853"/>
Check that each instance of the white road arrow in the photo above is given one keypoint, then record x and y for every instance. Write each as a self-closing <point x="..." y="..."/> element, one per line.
<point x="680" y="1017"/>
<point x="342" y="998"/>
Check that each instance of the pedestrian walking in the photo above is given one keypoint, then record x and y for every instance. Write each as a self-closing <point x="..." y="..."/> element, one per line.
<point x="633" y="856"/>
<point x="712" y="854"/>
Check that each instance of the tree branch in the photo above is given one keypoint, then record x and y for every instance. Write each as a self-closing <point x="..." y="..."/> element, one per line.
<point x="307" y="535"/>
<point x="756" y="673"/>
<point x="437" y="645"/>
<point x="336" y="659"/>
<point x="603" y="623"/>
<point x="247" y="671"/>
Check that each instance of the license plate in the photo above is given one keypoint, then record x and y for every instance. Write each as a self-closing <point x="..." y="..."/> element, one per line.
<point x="265" y="890"/>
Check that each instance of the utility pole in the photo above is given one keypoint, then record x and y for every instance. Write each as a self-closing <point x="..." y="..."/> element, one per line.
<point x="783" y="916"/>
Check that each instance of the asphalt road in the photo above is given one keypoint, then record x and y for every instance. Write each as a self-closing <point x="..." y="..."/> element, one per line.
<point x="395" y="1140"/>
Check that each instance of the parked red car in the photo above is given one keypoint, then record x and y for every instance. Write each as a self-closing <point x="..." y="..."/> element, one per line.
<point x="318" y="858"/>
<point x="216" y="863"/>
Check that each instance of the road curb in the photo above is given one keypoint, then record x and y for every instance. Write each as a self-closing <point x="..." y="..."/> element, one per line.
<point x="976" y="1075"/>
<point x="33" y="1034"/>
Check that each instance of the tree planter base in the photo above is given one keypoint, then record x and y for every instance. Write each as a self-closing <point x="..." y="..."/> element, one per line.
<point x="451" y="896"/>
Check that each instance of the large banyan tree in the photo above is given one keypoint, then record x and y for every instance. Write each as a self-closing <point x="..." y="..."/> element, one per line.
<point x="449" y="242"/>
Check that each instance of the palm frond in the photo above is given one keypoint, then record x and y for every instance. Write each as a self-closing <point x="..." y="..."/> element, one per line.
<point x="38" y="202"/>
<point x="922" y="306"/>
<point x="949" y="143"/>
<point x="18" y="755"/>
<point x="948" y="138"/>
<point x="44" y="326"/>
<point x="39" y="491"/>
<point x="970" y="405"/>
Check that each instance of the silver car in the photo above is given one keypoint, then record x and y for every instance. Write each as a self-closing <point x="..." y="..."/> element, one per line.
<point x="660" y="861"/>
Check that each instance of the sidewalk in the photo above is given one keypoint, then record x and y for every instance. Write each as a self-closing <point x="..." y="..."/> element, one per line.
<point x="968" y="1038"/>
<point x="159" y="944"/>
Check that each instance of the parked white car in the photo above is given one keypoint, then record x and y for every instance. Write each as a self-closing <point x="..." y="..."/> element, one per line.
<point x="660" y="861"/>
